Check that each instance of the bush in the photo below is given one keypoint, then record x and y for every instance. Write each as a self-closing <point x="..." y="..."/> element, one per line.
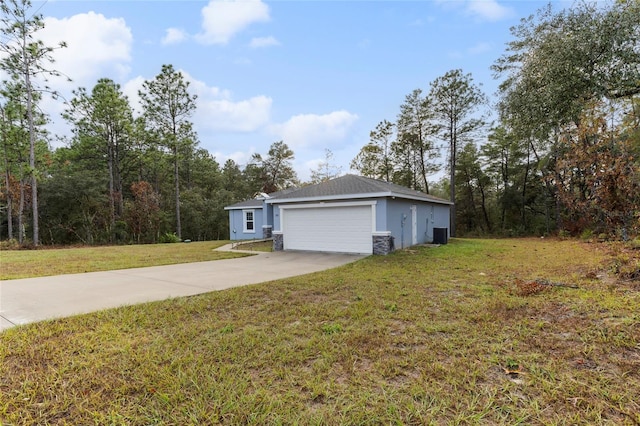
<point x="11" y="244"/>
<point x="587" y="234"/>
<point x="169" y="237"/>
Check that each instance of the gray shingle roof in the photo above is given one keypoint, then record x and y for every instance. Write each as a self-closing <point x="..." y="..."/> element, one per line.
<point x="256" y="203"/>
<point x="352" y="186"/>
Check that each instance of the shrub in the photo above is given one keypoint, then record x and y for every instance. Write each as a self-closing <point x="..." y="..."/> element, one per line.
<point x="587" y="234"/>
<point x="169" y="237"/>
<point x="11" y="244"/>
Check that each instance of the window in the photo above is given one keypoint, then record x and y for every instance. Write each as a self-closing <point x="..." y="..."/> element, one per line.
<point x="249" y="221"/>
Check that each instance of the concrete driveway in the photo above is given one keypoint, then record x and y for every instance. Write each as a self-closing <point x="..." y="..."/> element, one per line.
<point x="35" y="299"/>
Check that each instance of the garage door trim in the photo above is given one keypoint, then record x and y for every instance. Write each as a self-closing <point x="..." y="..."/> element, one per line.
<point x="358" y="235"/>
<point x="327" y="205"/>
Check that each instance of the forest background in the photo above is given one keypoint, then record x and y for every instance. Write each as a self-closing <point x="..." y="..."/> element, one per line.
<point x="563" y="156"/>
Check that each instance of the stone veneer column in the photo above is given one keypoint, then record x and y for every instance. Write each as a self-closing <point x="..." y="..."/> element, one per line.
<point x="278" y="241"/>
<point x="382" y="244"/>
<point x="266" y="232"/>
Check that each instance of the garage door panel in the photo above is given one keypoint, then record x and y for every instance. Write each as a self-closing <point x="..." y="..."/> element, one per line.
<point x="335" y="229"/>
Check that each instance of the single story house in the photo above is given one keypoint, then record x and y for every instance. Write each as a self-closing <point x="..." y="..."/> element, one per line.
<point x="348" y="214"/>
<point x="253" y="219"/>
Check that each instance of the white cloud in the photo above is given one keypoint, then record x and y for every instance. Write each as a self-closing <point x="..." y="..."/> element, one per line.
<point x="174" y="36"/>
<point x="217" y="110"/>
<point x="130" y="89"/>
<point x="241" y="158"/>
<point x="313" y="164"/>
<point x="315" y="130"/>
<point x="264" y="42"/>
<point x="241" y="116"/>
<point x="96" y="47"/>
<point x="476" y="49"/>
<point x="222" y="19"/>
<point x="489" y="9"/>
<point x="479" y="48"/>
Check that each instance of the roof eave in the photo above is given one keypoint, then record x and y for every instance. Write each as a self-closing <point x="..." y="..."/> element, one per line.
<point x="328" y="197"/>
<point x="242" y="207"/>
<point x="419" y="198"/>
<point x="356" y="196"/>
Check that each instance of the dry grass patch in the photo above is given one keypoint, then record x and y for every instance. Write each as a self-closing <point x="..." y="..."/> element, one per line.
<point x="436" y="335"/>
<point x="259" y="245"/>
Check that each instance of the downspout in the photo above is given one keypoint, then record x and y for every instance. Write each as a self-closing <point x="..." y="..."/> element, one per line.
<point x="402" y="221"/>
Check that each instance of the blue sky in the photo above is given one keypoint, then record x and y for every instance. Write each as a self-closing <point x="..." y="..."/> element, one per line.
<point x="316" y="74"/>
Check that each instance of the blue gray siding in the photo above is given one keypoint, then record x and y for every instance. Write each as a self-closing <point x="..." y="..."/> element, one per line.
<point x="236" y="225"/>
<point x="399" y="221"/>
<point x="276" y="218"/>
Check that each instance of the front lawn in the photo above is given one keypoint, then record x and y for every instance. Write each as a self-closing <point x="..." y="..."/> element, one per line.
<point x="525" y="331"/>
<point x="45" y="261"/>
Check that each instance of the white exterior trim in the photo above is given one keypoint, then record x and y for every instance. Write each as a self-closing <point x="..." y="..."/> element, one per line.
<point x="371" y="203"/>
<point x="257" y="207"/>
<point x="357" y="196"/>
<point x="334" y="227"/>
<point x="244" y="221"/>
<point x="314" y="205"/>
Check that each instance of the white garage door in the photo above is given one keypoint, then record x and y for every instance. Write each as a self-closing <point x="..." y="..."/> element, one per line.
<point x="344" y="229"/>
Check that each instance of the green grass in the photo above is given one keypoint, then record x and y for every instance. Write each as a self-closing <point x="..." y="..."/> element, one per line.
<point x="44" y="262"/>
<point x="459" y="334"/>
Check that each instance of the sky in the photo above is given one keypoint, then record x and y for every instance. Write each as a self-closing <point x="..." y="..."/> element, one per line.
<point x="317" y="75"/>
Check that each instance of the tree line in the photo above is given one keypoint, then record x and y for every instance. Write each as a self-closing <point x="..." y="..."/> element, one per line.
<point x="563" y="154"/>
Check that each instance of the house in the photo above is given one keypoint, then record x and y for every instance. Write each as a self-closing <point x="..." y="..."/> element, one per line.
<point x="348" y="214"/>
<point x="252" y="219"/>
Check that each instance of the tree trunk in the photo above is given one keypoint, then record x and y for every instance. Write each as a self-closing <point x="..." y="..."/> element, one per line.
<point x="177" y="182"/>
<point x="484" y="207"/>
<point x="21" y="214"/>
<point x="472" y="200"/>
<point x="524" y="187"/>
<point x="7" y="182"/>
<point x="112" y="207"/>
<point x="118" y="179"/>
<point x="9" y="210"/>
<point x="423" y="169"/>
<point x="32" y="165"/>
<point x="452" y="181"/>
<point x="32" y="141"/>
<point x="9" y="196"/>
